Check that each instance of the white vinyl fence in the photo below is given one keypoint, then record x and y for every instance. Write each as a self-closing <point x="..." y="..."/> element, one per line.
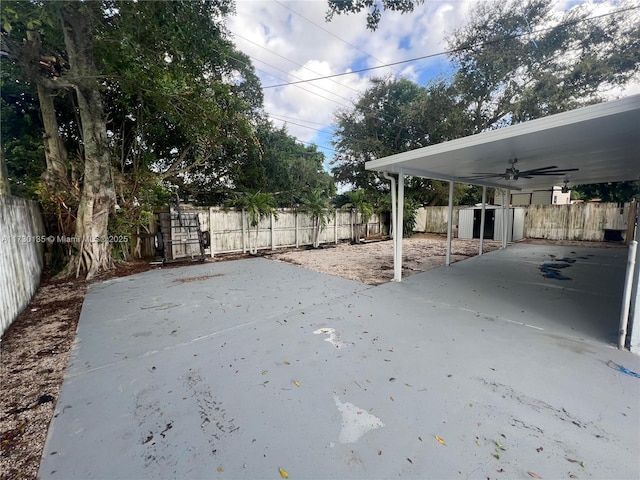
<point x="22" y="240"/>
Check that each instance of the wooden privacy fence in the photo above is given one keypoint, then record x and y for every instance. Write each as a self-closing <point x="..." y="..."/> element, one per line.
<point x="231" y="232"/>
<point x="22" y="240"/>
<point x="580" y="221"/>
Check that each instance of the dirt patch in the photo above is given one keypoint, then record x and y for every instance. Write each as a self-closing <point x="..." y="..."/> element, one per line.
<point x="372" y="263"/>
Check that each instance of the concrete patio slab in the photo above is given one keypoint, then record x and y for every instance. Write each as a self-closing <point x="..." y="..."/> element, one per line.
<point x="240" y="369"/>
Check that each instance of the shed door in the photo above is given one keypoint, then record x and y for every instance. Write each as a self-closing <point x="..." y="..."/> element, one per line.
<point x="465" y="224"/>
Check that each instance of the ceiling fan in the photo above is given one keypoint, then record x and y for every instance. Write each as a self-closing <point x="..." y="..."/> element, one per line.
<point x="512" y="173"/>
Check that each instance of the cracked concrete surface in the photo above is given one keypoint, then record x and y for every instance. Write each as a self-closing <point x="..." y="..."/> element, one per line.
<point x="215" y="371"/>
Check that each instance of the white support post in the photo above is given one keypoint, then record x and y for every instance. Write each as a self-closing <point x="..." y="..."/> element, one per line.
<point x="335" y="227"/>
<point x="297" y="236"/>
<point x="482" y="218"/>
<point x="449" y="224"/>
<point x="505" y="220"/>
<point x="634" y="312"/>
<point x="397" y="276"/>
<point x="626" y="299"/>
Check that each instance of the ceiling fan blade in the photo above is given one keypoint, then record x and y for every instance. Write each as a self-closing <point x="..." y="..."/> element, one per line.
<point x="555" y="172"/>
<point x="526" y="172"/>
<point x="486" y="175"/>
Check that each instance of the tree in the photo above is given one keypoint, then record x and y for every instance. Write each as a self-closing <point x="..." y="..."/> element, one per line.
<point x="513" y="62"/>
<point x="516" y="61"/>
<point x="356" y="201"/>
<point x="394" y="116"/>
<point x="256" y="206"/>
<point x="277" y="163"/>
<point x="616" y="192"/>
<point x="157" y="93"/>
<point x="315" y="203"/>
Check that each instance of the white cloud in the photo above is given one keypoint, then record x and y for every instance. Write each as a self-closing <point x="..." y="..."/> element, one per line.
<point x="286" y="47"/>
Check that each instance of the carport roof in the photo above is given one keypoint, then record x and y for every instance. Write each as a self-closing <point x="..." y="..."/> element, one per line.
<point x="602" y="141"/>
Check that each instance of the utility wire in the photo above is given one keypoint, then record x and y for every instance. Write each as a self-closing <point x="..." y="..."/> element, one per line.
<point x="329" y="32"/>
<point x="289" y="60"/>
<point x="454" y="50"/>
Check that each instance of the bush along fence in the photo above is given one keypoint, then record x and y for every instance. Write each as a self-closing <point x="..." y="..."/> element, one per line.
<point x="230" y="230"/>
<point x="580" y="221"/>
<point x="22" y="241"/>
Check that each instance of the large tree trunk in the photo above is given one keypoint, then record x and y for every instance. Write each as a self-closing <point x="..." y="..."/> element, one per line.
<point x="56" y="175"/>
<point x="55" y="153"/>
<point x="93" y="253"/>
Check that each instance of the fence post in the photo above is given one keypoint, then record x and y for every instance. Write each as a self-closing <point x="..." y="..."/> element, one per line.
<point x="296" y="222"/>
<point x="244" y="244"/>
<point x="272" y="246"/>
<point x="335" y="227"/>
<point x="211" y="249"/>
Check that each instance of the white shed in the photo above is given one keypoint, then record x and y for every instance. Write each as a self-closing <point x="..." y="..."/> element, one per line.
<point x="469" y="220"/>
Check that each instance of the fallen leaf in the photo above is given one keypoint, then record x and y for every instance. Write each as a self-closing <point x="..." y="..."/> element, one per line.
<point x="297" y="383"/>
<point x="477" y="443"/>
<point x="287" y="363"/>
<point x="497" y="455"/>
<point x="501" y="470"/>
<point x="264" y="372"/>
<point x="283" y="472"/>
<point x="391" y="398"/>
<point x="409" y="385"/>
<point x="583" y="464"/>
<point x="534" y="475"/>
<point x="420" y="438"/>
<point x="440" y="440"/>
<point x="379" y="452"/>
<point x="220" y="469"/>
<point x="572" y="460"/>
<point x="539" y="449"/>
<point x="500" y="446"/>
<point x="392" y="379"/>
<point x="573" y="476"/>
<point x="409" y="460"/>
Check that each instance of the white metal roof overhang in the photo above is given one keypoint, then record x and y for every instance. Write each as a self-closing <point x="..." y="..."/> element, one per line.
<point x="602" y="141"/>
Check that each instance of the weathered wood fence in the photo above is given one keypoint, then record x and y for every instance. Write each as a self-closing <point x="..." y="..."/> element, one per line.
<point x="22" y="240"/>
<point x="230" y="231"/>
<point x="580" y="221"/>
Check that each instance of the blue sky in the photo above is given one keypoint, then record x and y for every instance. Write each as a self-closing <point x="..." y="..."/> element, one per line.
<point x="290" y="40"/>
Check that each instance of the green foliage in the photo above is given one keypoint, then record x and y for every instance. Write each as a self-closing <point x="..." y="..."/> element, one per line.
<point x="391" y="117"/>
<point x="280" y="165"/>
<point x="257" y="206"/>
<point x="315" y="203"/>
<point x="511" y="64"/>
<point x="21" y="135"/>
<point x="409" y="218"/>
<point x="616" y="192"/>
<point x="373" y="8"/>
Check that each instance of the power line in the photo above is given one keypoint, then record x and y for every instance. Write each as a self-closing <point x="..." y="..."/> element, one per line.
<point x="288" y="60"/>
<point x="298" y="124"/>
<point x="448" y="52"/>
<point x="329" y="32"/>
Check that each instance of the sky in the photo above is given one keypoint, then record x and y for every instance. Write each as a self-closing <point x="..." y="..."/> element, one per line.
<point x="290" y="40"/>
